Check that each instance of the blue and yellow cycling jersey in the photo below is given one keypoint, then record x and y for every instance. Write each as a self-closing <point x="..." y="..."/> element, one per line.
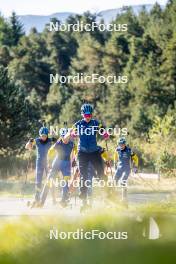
<point x="124" y="157"/>
<point x="64" y="150"/>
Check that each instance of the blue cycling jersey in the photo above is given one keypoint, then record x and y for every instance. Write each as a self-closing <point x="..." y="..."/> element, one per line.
<point x="87" y="135"/>
<point x="42" y="149"/>
<point x="124" y="156"/>
<point x="64" y="150"/>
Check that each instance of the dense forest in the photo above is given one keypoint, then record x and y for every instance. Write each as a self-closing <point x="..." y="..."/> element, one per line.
<point x="145" y="53"/>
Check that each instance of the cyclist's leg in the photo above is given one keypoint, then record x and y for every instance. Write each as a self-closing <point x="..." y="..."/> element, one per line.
<point x="83" y="159"/>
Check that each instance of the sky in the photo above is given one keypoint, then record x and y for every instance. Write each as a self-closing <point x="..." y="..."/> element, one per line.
<point x="47" y="7"/>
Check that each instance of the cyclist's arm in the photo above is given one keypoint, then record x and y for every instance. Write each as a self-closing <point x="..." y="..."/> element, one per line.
<point x="105" y="135"/>
<point x="70" y="134"/>
<point x="30" y="144"/>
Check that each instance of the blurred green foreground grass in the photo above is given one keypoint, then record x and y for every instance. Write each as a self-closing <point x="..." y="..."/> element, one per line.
<point x="26" y="240"/>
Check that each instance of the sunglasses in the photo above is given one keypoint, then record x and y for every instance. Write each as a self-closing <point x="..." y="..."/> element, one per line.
<point x="87" y="115"/>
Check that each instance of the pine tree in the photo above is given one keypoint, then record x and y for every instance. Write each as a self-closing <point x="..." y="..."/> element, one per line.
<point x="30" y="67"/>
<point x="71" y="110"/>
<point x="4" y="32"/>
<point x="17" y="116"/>
<point x="16" y="29"/>
<point x="5" y="56"/>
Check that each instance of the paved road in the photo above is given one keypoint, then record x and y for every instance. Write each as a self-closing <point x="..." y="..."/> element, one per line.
<point x="16" y="206"/>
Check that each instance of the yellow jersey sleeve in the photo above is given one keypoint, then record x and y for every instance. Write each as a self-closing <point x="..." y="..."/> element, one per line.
<point x="115" y="157"/>
<point x="106" y="155"/>
<point x="135" y="159"/>
<point x="51" y="152"/>
<point x="75" y="150"/>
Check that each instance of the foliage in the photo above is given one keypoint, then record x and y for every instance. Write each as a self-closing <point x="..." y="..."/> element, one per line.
<point x="146" y="54"/>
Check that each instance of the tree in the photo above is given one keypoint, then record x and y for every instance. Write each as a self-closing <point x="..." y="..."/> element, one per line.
<point x="4" y="32"/>
<point x="56" y="98"/>
<point x="16" y="29"/>
<point x="5" y="56"/>
<point x="17" y="116"/>
<point x="30" y="67"/>
<point x="116" y="109"/>
<point x="62" y="47"/>
<point x="88" y="61"/>
<point x="116" y="54"/>
<point x="168" y="70"/>
<point x="71" y="110"/>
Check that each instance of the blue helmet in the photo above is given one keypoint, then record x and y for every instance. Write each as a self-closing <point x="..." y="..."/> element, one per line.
<point x="121" y="141"/>
<point x="63" y="131"/>
<point x="86" y="109"/>
<point x="43" y="131"/>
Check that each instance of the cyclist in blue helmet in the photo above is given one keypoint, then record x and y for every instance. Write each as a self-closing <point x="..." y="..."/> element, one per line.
<point x="42" y="144"/>
<point x="123" y="158"/>
<point x="61" y="163"/>
<point x="86" y="130"/>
